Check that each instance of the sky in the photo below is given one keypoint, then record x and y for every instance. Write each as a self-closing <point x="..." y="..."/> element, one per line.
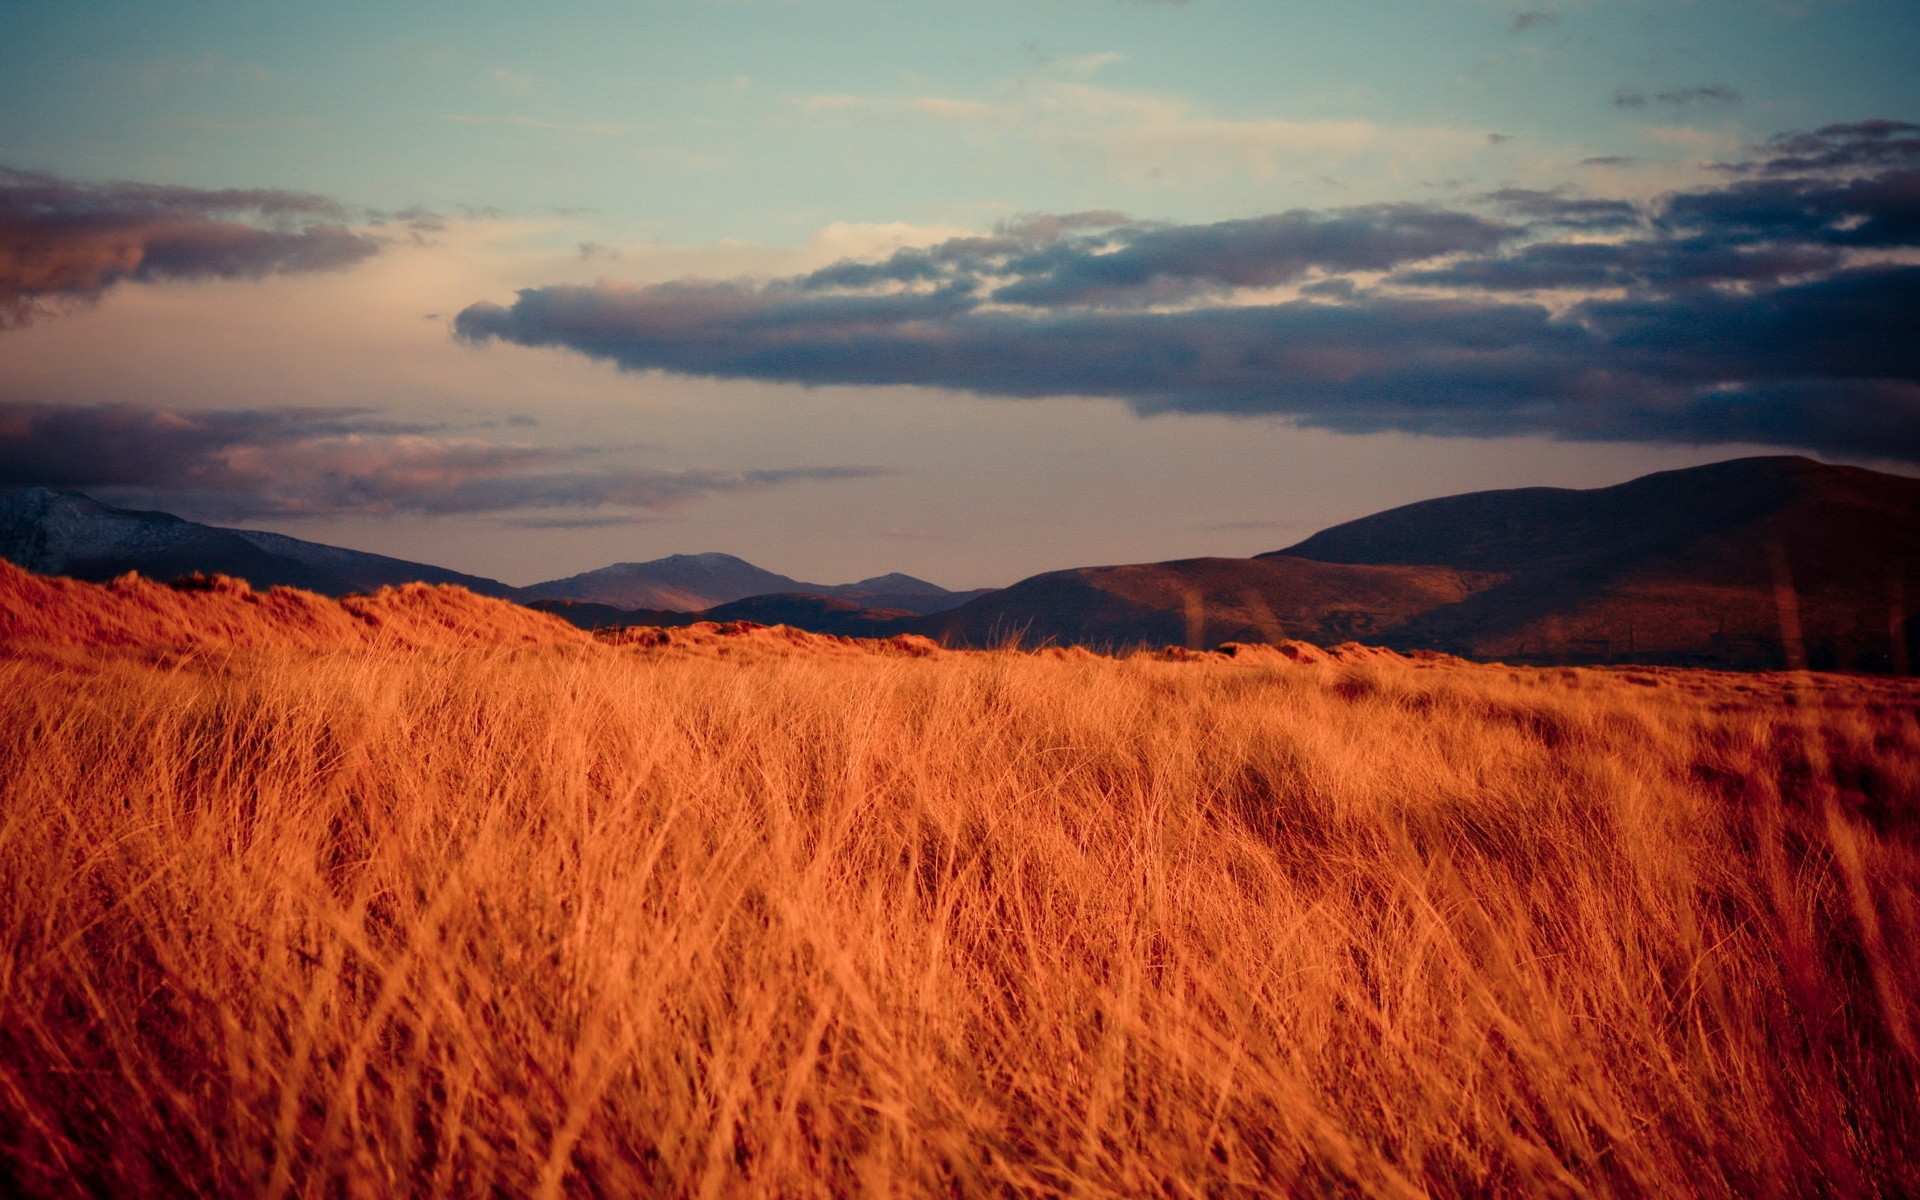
<point x="969" y="289"/>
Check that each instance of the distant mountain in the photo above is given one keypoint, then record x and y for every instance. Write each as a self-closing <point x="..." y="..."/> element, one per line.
<point x="819" y="614"/>
<point x="1750" y="562"/>
<point x="912" y="602"/>
<point x="1201" y="602"/>
<point x="66" y="533"/>
<point x="682" y="582"/>
<point x="1758" y="562"/>
<point x="585" y="614"/>
<point x="697" y="582"/>
<point x="895" y="584"/>
<point x="1755" y="562"/>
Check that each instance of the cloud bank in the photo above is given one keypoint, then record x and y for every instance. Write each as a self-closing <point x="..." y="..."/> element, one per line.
<point x="1780" y="307"/>
<point x="65" y="240"/>
<point x="331" y="462"/>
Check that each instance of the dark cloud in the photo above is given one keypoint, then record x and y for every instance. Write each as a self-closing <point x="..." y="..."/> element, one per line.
<point x="1765" y="230"/>
<point x="64" y="240"/>
<point x="1556" y="208"/>
<point x="1776" y="308"/>
<point x="1859" y="146"/>
<point x="416" y="219"/>
<point x="1712" y="93"/>
<point x="1130" y="264"/>
<point x="318" y="462"/>
<point x="1522" y="22"/>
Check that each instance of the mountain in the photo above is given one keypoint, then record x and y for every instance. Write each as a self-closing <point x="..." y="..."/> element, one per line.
<point x="817" y="614"/>
<point x="696" y="582"/>
<point x="683" y="582"/>
<point x="1201" y="602"/>
<point x="584" y="614"/>
<point x="912" y="602"/>
<point x="65" y="533"/>
<point x="1751" y="562"/>
<point x="1754" y="562"/>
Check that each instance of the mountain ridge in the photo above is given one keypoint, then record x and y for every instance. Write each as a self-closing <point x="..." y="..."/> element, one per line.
<point x="60" y="532"/>
<point x="57" y="532"/>
<point x="1757" y="562"/>
<point x="1775" y="560"/>
<point x="696" y="582"/>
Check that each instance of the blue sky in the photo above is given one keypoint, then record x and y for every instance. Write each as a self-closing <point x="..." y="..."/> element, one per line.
<point x="485" y="153"/>
<point x="697" y="120"/>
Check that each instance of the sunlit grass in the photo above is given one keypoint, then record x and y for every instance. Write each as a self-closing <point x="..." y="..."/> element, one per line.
<point x="596" y="921"/>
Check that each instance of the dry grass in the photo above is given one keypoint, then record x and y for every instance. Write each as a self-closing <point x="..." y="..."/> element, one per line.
<point x="219" y="612"/>
<point x="606" y="920"/>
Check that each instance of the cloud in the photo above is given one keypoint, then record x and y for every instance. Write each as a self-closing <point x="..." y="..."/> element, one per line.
<point x="1523" y="22"/>
<point x="1774" y="308"/>
<point x="217" y="125"/>
<point x="1711" y="93"/>
<point x="1860" y="146"/>
<point x="324" y="462"/>
<point x="1149" y="136"/>
<point x="513" y="83"/>
<point x="1086" y="64"/>
<point x="1173" y="263"/>
<point x="1556" y="208"/>
<point x="584" y="128"/>
<point x="1105" y="258"/>
<point x="66" y="240"/>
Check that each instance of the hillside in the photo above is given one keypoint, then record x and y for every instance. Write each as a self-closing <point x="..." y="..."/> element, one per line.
<point x="66" y="533"/>
<point x="222" y="613"/>
<point x="1750" y="562"/>
<point x="1201" y="602"/>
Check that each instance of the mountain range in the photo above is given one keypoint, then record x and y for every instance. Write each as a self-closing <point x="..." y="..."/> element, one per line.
<point x="692" y="582"/>
<point x="67" y="533"/>
<point x="1754" y="562"/>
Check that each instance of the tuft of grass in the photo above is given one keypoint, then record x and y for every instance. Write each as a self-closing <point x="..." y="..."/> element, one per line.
<point x="584" y="920"/>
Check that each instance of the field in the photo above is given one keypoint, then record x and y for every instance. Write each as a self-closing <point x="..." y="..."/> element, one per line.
<point x="728" y="913"/>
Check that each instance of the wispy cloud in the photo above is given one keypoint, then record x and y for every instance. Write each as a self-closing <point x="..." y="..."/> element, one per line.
<point x="329" y="462"/>
<point x="513" y="83"/>
<point x="1773" y="308"/>
<point x="587" y="128"/>
<point x="218" y="125"/>
<point x="1149" y="136"/>
<point x="1085" y="64"/>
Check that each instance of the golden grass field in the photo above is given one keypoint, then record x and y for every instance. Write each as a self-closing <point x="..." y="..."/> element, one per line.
<point x="733" y="912"/>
